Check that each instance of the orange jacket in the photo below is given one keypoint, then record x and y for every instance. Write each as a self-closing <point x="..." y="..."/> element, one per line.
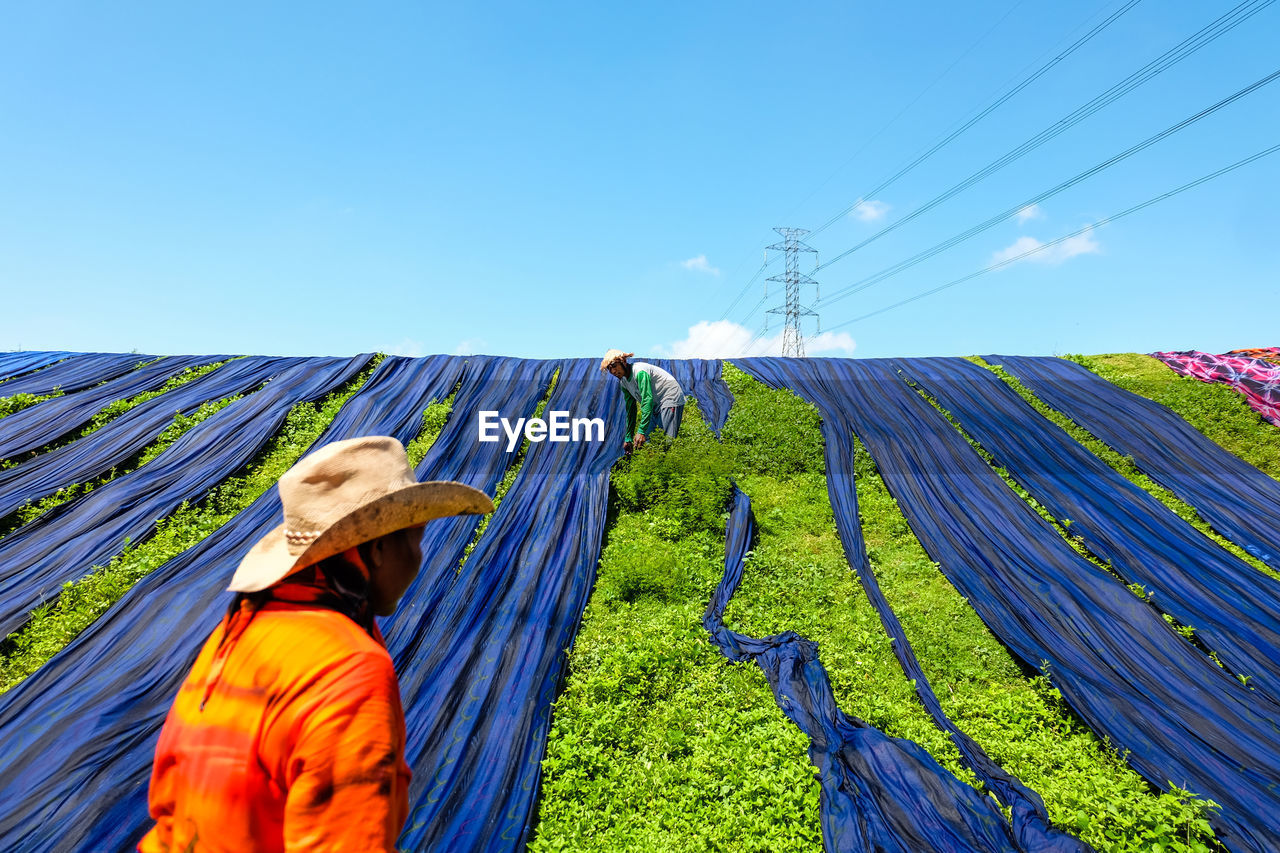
<point x="287" y="735"/>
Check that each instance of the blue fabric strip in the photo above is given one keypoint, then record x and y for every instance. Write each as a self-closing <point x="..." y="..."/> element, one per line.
<point x="38" y="425"/>
<point x="18" y="363"/>
<point x="76" y="371"/>
<point x="125" y="436"/>
<point x="1234" y="608"/>
<point x="493" y="652"/>
<point x="1030" y="822"/>
<point x="1238" y="500"/>
<point x="700" y="378"/>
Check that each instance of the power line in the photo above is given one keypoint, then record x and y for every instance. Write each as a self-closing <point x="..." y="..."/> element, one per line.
<point x="743" y="292"/>
<point x="1040" y="72"/>
<point x="1171" y="57"/>
<point x="1000" y="217"/>
<point x="1128" y="5"/>
<point x="912" y="103"/>
<point x="1101" y="222"/>
<point x="745" y="348"/>
<point x="754" y="309"/>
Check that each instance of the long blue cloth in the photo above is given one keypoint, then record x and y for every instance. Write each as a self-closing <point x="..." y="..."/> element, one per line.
<point x="79" y="735"/>
<point x="879" y="793"/>
<point x="1030" y="821"/>
<point x="1238" y="500"/>
<point x="18" y="363"/>
<point x="123" y="437"/>
<point x="76" y="371"/>
<point x="66" y="543"/>
<point x="480" y="689"/>
<point x="700" y="378"/>
<point x="1234" y="608"/>
<point x="511" y="388"/>
<point x="1114" y="659"/>
<point x="38" y="425"/>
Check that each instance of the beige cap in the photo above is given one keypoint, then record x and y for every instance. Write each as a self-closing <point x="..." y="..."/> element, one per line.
<point x="613" y="355"/>
<point x="344" y="494"/>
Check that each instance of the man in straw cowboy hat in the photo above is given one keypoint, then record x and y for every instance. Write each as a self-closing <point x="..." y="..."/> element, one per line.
<point x="656" y="397"/>
<point x="288" y="733"/>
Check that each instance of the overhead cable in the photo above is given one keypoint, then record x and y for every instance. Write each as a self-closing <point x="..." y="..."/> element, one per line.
<point x="1085" y="230"/>
<point x="990" y="108"/>
<point x="1174" y="55"/>
<point x="891" y="122"/>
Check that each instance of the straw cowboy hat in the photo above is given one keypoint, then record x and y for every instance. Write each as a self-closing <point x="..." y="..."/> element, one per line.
<point x="344" y="494"/>
<point x="613" y="355"/>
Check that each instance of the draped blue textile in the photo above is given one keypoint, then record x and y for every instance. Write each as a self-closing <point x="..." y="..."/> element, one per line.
<point x="17" y="363"/>
<point x="38" y="425"/>
<point x="1234" y="608"/>
<point x="479" y="692"/>
<point x="1114" y="659"/>
<point x="79" y="735"/>
<point x="123" y="437"/>
<point x="76" y="371"/>
<point x="879" y="793"/>
<point x="511" y="387"/>
<point x="1238" y="500"/>
<point x="65" y="543"/>
<point x="1030" y="821"/>
<point x="701" y="379"/>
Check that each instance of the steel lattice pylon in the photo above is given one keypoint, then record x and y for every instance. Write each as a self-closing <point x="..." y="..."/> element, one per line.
<point x="792" y="336"/>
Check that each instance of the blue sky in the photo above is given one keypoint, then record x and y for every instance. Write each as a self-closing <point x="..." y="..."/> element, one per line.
<point x="554" y="179"/>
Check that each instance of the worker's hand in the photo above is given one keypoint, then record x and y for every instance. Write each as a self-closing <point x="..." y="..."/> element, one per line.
<point x="640" y="439"/>
<point x="626" y="447"/>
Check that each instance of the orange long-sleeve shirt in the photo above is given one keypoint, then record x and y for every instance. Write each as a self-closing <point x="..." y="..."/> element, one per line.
<point x="288" y="734"/>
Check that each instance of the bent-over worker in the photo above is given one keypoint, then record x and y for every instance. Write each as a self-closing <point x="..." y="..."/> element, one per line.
<point x="288" y="733"/>
<point x="656" y="397"/>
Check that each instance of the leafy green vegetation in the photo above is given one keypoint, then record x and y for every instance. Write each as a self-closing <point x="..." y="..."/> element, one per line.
<point x="18" y="402"/>
<point x="434" y="418"/>
<point x="56" y="623"/>
<point x="658" y="742"/>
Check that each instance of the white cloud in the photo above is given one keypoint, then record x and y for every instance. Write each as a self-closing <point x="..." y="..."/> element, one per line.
<point x="469" y="346"/>
<point x="869" y="210"/>
<point x="699" y="264"/>
<point x="1031" y="211"/>
<point x="727" y="339"/>
<point x="1082" y="244"/>
<point x="408" y="347"/>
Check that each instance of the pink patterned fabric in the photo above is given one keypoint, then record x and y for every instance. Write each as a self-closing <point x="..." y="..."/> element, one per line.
<point x="1256" y="379"/>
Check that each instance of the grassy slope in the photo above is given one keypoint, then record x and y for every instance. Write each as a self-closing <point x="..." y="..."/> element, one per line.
<point x="659" y="743"/>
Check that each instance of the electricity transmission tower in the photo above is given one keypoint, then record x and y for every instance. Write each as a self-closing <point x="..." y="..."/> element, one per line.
<point x="792" y="337"/>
